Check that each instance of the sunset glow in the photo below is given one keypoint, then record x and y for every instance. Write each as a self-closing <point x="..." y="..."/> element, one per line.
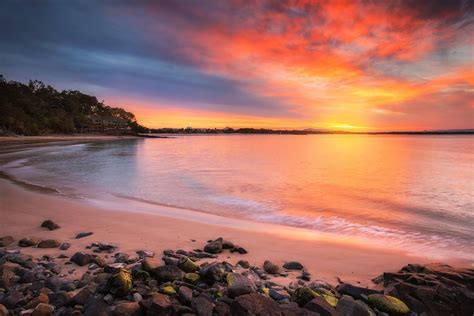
<point x="352" y="65"/>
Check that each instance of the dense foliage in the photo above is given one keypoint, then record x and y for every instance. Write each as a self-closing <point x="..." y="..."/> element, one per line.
<point x="37" y="109"/>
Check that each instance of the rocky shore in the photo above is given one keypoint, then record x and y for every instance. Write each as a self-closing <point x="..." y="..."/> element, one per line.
<point x="101" y="280"/>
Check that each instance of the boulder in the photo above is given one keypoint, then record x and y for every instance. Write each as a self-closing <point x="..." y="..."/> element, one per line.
<point x="6" y="240"/>
<point x="347" y="306"/>
<point x="168" y="290"/>
<point x="49" y="224"/>
<point x="185" y="295"/>
<point x="293" y="265"/>
<point x="244" y="264"/>
<point x="388" y="304"/>
<point x="320" y="306"/>
<point x="150" y="264"/>
<point x="192" y="278"/>
<point x="83" y="234"/>
<point x="64" y="246"/>
<point x="202" y="306"/>
<point x="127" y="309"/>
<point x="355" y="291"/>
<point x="168" y="273"/>
<point x="43" y="310"/>
<point x="214" y="247"/>
<point x="29" y="242"/>
<point x="159" y="304"/>
<point x="49" y="243"/>
<point x="212" y="272"/>
<point x="254" y="304"/>
<point x="271" y="268"/>
<point x="120" y="283"/>
<point x="187" y="265"/>
<point x="3" y="310"/>
<point x="81" y="258"/>
<point x="239" y="285"/>
<point x="96" y="307"/>
<point x="303" y="295"/>
<point x="145" y="254"/>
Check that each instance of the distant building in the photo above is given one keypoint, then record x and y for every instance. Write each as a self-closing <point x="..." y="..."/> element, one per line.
<point x="106" y="125"/>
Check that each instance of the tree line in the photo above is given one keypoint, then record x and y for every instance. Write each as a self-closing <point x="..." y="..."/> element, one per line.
<point x="39" y="109"/>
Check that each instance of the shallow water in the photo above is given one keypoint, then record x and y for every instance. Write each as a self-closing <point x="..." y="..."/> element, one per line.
<point x="409" y="192"/>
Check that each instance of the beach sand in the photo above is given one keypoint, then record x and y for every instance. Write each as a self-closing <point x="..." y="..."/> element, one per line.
<point x="23" y="210"/>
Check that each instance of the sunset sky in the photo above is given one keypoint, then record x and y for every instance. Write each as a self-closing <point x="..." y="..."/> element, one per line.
<point x="367" y="65"/>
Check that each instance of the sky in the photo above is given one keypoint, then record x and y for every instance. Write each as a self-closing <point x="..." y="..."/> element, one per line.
<point x="353" y="65"/>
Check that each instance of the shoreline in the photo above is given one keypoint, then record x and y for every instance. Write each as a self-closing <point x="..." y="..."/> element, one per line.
<point x="327" y="259"/>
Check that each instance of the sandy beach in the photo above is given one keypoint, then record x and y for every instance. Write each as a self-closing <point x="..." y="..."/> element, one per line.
<point x="23" y="211"/>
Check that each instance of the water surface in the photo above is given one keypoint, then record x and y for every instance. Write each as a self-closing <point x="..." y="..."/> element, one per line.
<point x="410" y="192"/>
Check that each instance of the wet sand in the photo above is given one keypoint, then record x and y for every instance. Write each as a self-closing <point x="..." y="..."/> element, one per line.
<point x="23" y="210"/>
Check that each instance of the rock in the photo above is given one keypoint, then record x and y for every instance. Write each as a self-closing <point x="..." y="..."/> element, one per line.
<point x="84" y="295"/>
<point x="278" y="295"/>
<point x="3" y="310"/>
<point x="388" y="304"/>
<point x="48" y="243"/>
<point x="29" y="242"/>
<point x="239" y="285"/>
<point x="347" y="306"/>
<point x="83" y="234"/>
<point x="187" y="265"/>
<point x="320" y="306"/>
<point x="212" y="272"/>
<point x="192" y="278"/>
<point x="240" y="250"/>
<point x="305" y="275"/>
<point x="121" y="257"/>
<point x="127" y="309"/>
<point x="41" y="298"/>
<point x="145" y="254"/>
<point x="168" y="273"/>
<point x="168" y="290"/>
<point x="254" y="304"/>
<point x="109" y="299"/>
<point x="43" y="310"/>
<point x="202" y="306"/>
<point x="81" y="258"/>
<point x="96" y="307"/>
<point x="169" y="261"/>
<point x="92" y="266"/>
<point x="49" y="224"/>
<point x="185" y="295"/>
<point x="271" y="268"/>
<point x="355" y="291"/>
<point x="227" y="244"/>
<point x="214" y="247"/>
<point x="59" y="299"/>
<point x="244" y="264"/>
<point x="293" y="265"/>
<point x="6" y="240"/>
<point x="120" y="283"/>
<point x="160" y="305"/>
<point x="137" y="297"/>
<point x="303" y="295"/>
<point x="64" y="246"/>
<point x="150" y="264"/>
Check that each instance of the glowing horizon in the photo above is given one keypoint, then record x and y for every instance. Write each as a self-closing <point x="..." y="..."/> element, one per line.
<point x="291" y="65"/>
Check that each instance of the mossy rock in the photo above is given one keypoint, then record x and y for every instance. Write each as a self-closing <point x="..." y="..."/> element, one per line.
<point x="266" y="291"/>
<point x="192" y="278"/>
<point x="388" y="304"/>
<point x="331" y="299"/>
<point x="168" y="290"/>
<point x="187" y="265"/>
<point x="121" y="283"/>
<point x="303" y="295"/>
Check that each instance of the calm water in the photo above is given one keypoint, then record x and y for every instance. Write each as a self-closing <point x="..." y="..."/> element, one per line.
<point x="413" y="192"/>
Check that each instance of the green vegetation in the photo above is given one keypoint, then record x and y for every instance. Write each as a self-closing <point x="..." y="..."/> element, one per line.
<point x="39" y="109"/>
